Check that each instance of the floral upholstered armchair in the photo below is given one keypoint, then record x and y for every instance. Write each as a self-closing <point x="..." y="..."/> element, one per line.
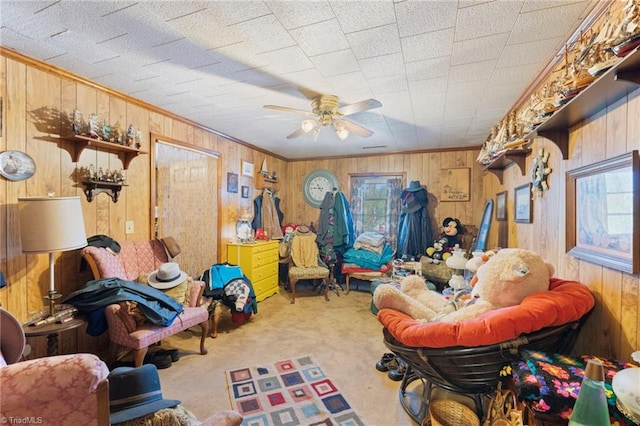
<point x="65" y="389"/>
<point x="136" y="259"/>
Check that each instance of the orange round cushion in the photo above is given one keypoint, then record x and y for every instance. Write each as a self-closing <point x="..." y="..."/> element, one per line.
<point x="564" y="302"/>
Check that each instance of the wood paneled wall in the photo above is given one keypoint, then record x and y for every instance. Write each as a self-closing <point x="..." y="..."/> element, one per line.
<point x="34" y="96"/>
<point x="424" y="167"/>
<point x="32" y="91"/>
<point x="613" y="329"/>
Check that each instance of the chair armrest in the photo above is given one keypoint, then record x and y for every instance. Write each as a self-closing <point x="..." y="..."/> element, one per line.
<point x="196" y="290"/>
<point x="66" y="389"/>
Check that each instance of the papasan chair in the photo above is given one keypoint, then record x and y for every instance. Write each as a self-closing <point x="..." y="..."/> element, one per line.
<point x="467" y="357"/>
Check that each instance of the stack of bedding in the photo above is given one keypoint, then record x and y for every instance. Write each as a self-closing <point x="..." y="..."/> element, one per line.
<point x="370" y="253"/>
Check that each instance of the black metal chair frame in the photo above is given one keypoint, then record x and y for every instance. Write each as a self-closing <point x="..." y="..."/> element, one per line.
<point x="473" y="372"/>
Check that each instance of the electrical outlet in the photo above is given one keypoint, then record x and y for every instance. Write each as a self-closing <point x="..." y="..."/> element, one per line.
<point x="128" y="227"/>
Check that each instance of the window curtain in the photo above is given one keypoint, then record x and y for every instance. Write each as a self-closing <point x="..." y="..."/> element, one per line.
<point x="364" y="188"/>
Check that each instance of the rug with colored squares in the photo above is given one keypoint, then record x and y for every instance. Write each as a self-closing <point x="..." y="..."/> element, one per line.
<point x="291" y="392"/>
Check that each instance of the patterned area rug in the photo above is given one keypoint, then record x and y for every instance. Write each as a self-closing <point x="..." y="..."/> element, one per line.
<point x="291" y="392"/>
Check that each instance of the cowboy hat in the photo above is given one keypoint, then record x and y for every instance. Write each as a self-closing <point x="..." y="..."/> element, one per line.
<point x="167" y="276"/>
<point x="135" y="392"/>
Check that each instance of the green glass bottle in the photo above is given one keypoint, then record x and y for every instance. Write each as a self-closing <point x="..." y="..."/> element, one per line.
<point x="591" y="407"/>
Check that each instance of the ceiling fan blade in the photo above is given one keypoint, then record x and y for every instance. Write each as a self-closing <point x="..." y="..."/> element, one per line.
<point x="296" y="134"/>
<point x="287" y="109"/>
<point x="356" y="128"/>
<point x="359" y="106"/>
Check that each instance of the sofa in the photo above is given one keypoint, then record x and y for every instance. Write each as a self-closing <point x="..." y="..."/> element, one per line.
<point x="135" y="259"/>
<point x="65" y="389"/>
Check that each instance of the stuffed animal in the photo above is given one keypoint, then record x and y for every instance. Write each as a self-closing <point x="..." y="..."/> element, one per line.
<point x="442" y="248"/>
<point x="504" y="280"/>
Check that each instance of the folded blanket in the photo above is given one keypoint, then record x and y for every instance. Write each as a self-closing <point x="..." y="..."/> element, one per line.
<point x="368" y="259"/>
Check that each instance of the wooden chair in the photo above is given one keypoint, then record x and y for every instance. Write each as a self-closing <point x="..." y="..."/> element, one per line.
<point x="303" y="263"/>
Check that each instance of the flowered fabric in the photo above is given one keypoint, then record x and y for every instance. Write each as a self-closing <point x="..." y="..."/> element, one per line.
<point x="551" y="383"/>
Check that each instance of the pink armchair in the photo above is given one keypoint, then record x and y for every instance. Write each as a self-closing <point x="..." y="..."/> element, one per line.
<point x="65" y="389"/>
<point x="134" y="259"/>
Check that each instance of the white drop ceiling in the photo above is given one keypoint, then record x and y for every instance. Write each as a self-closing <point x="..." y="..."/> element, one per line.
<point x="445" y="71"/>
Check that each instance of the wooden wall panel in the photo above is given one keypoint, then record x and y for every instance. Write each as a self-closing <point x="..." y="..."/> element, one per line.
<point x="613" y="329"/>
<point x="423" y="167"/>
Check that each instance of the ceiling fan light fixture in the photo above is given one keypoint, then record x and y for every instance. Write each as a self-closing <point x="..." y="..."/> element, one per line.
<point x="342" y="134"/>
<point x="308" y="125"/>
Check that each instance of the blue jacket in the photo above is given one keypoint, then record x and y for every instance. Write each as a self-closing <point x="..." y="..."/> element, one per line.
<point x="96" y="295"/>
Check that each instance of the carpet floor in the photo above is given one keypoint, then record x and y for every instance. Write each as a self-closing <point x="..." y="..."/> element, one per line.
<point x="342" y="335"/>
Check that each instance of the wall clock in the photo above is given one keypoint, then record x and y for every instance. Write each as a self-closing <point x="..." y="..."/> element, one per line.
<point x="317" y="184"/>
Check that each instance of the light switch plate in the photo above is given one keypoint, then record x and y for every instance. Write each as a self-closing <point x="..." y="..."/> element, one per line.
<point x="128" y="227"/>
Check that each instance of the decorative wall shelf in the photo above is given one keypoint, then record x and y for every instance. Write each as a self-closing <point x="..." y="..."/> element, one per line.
<point x="265" y="182"/>
<point x="92" y="188"/>
<point x="515" y="156"/>
<point x="126" y="153"/>
<point x="615" y="83"/>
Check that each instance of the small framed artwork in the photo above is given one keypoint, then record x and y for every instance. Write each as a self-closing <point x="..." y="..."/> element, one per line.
<point x="501" y="206"/>
<point x="245" y="191"/>
<point x="247" y="168"/>
<point x="523" y="208"/>
<point x="232" y="182"/>
<point x="455" y="184"/>
<point x="603" y="213"/>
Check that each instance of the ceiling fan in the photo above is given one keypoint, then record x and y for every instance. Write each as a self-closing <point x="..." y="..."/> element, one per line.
<point x="325" y="111"/>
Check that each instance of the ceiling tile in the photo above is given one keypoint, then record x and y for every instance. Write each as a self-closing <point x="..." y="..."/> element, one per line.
<point x="547" y="23"/>
<point x="428" y="68"/>
<point x="357" y="15"/>
<point x="428" y="46"/>
<point x="299" y="14"/>
<point x="478" y="49"/>
<point x="320" y="38"/>
<point x="335" y="63"/>
<point x="417" y="17"/>
<point x="486" y="19"/>
<point x="382" y="66"/>
<point x="375" y="42"/>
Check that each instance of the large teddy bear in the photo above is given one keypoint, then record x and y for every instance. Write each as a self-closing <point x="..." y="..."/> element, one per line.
<point x="504" y="280"/>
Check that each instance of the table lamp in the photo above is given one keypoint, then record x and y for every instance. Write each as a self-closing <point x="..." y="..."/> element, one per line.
<point x="49" y="225"/>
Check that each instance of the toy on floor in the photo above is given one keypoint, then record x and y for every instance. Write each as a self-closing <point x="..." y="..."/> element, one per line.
<point x="443" y="247"/>
<point x="504" y="280"/>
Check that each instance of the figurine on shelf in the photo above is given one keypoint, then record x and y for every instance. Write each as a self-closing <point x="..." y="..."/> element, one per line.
<point x="94" y="126"/>
<point x="100" y="175"/>
<point x="138" y="142"/>
<point x="131" y="135"/>
<point x="92" y="172"/>
<point x="78" y="124"/>
<point x="116" y="134"/>
<point x="106" y="131"/>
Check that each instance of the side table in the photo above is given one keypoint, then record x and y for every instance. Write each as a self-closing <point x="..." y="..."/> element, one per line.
<point x="52" y="331"/>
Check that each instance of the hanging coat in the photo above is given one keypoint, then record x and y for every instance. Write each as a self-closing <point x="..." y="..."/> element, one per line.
<point x="414" y="228"/>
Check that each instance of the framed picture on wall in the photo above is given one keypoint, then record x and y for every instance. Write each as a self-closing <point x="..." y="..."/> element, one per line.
<point x="602" y="213"/>
<point x="245" y="191"/>
<point x="455" y="184"/>
<point x="232" y="182"/>
<point x="523" y="208"/>
<point x="501" y="206"/>
<point x="247" y="168"/>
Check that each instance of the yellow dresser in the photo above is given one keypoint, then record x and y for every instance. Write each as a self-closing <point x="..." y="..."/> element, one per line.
<point x="259" y="262"/>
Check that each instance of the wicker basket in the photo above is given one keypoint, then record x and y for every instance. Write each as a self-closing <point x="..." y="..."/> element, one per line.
<point x="445" y="412"/>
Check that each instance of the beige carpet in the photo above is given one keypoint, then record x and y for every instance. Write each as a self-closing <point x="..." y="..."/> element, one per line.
<point x="341" y="334"/>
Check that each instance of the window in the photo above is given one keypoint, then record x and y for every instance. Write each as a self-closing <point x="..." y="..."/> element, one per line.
<point x="375" y="203"/>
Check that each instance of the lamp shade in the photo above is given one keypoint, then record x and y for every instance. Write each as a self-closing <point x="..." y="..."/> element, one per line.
<point x="51" y="224"/>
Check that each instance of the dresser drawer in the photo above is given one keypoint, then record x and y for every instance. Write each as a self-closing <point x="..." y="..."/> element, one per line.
<point x="265" y="287"/>
<point x="266" y="271"/>
<point x="262" y="258"/>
